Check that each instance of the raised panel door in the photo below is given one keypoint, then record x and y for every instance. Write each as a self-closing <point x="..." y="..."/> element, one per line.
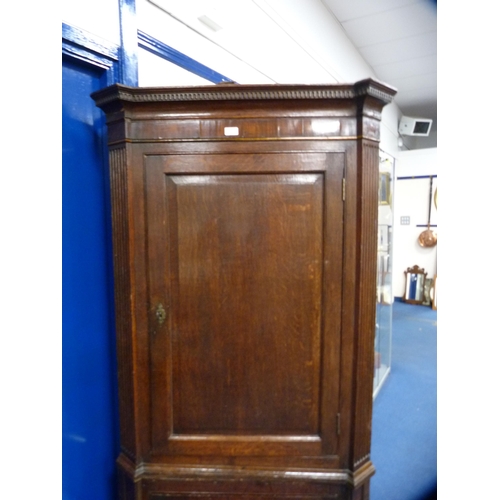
<point x="244" y="277"/>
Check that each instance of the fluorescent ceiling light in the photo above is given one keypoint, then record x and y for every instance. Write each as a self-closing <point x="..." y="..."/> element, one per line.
<point x="207" y="21"/>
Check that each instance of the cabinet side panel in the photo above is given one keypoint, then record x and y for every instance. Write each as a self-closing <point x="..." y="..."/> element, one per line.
<point x="121" y="255"/>
<point x="367" y="210"/>
<point x="126" y="486"/>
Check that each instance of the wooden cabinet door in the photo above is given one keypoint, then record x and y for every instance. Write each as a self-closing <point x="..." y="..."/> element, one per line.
<point x="244" y="277"/>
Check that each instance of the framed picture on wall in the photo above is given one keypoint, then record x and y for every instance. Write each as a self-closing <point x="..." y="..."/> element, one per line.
<point x="384" y="188"/>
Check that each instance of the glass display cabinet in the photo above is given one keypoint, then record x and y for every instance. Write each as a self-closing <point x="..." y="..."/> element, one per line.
<point x="383" y="327"/>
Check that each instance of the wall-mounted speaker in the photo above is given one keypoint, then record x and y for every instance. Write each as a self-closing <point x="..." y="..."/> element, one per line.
<point x="415" y="126"/>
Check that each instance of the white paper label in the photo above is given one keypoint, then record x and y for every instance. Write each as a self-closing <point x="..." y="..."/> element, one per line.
<point x="231" y="131"/>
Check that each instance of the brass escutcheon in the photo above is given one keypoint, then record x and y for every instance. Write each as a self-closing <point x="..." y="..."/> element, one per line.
<point x="161" y="314"/>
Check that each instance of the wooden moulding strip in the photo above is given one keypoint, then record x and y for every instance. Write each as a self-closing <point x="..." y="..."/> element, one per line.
<point x="158" y="471"/>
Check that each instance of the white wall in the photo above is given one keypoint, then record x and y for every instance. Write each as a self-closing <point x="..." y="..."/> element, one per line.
<point x="411" y="198"/>
<point x="156" y="72"/>
<point x="172" y="32"/>
<point x="99" y="17"/>
<point x="389" y="129"/>
<point x="412" y="143"/>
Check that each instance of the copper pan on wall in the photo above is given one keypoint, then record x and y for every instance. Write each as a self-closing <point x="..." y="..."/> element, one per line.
<point x="428" y="238"/>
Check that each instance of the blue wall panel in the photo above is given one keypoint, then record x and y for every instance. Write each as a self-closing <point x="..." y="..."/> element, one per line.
<point x="90" y="420"/>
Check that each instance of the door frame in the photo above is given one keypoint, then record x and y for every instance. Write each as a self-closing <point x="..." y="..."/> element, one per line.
<point x="82" y="46"/>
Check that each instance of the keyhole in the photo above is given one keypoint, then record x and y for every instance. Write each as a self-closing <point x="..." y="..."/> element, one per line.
<point x="161" y="314"/>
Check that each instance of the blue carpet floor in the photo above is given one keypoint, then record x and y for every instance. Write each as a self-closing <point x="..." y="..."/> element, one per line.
<point x="404" y="432"/>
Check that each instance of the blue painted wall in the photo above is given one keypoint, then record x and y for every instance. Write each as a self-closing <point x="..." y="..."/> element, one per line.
<point x="90" y="424"/>
<point x="90" y="420"/>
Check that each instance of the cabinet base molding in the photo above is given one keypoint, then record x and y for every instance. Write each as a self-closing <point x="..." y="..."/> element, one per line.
<point x="156" y="481"/>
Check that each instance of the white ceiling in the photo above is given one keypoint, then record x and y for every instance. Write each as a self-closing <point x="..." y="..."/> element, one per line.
<point x="396" y="39"/>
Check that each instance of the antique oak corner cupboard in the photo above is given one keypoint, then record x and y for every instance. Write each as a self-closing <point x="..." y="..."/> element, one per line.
<point x="244" y="233"/>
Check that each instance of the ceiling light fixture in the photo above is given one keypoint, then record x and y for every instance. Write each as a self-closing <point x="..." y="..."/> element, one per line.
<point x="207" y="21"/>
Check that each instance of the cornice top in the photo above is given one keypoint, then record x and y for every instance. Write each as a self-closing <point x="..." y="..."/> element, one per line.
<point x="236" y="92"/>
